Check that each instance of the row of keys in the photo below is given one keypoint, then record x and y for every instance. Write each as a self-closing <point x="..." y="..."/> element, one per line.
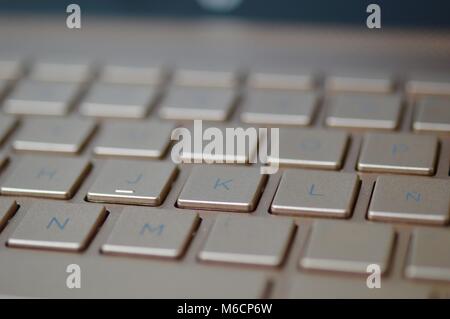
<point x="233" y="188"/>
<point x="332" y="245"/>
<point x="263" y="107"/>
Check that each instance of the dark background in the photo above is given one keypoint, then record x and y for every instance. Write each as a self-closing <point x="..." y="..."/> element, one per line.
<point x="412" y="13"/>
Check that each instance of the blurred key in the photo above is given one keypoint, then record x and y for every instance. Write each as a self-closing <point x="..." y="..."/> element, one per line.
<point x="316" y="193"/>
<point x="220" y="187"/>
<point x="364" y="111"/>
<point x="134" y="139"/>
<point x="61" y="72"/>
<point x="132" y="75"/>
<point x="205" y="78"/>
<point x="7" y="125"/>
<point x="411" y="199"/>
<point x="144" y="232"/>
<point x="348" y="247"/>
<point x="196" y="103"/>
<point x="433" y="114"/>
<point x="59" y="226"/>
<point x="347" y="82"/>
<point x="311" y="148"/>
<point x="41" y="98"/>
<point x="51" y="177"/>
<point x="133" y="182"/>
<point x="248" y="240"/>
<point x="398" y="153"/>
<point x="279" y="107"/>
<point x="424" y="84"/>
<point x="429" y="256"/>
<point x="119" y="100"/>
<point x="11" y="69"/>
<point x="62" y="135"/>
<point x="7" y="209"/>
<point x="283" y="81"/>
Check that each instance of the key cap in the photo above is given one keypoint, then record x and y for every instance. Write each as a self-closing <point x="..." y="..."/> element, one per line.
<point x="248" y="240"/>
<point x="283" y="81"/>
<point x="279" y="107"/>
<point x="398" y="153"/>
<point x="411" y="199"/>
<point x="102" y="277"/>
<point x="190" y="103"/>
<point x="311" y="148"/>
<point x="61" y="72"/>
<point x="11" y="69"/>
<point x="58" y="226"/>
<point x="321" y="287"/>
<point x="348" y="247"/>
<point x="51" y="177"/>
<point x="144" y="232"/>
<point x="146" y="139"/>
<point x="117" y="100"/>
<point x="347" y="82"/>
<point x="63" y="135"/>
<point x="429" y="257"/>
<point x="204" y="78"/>
<point x="133" y="182"/>
<point x="364" y="111"/>
<point x="433" y="114"/>
<point x="132" y="75"/>
<point x="218" y="155"/>
<point x="315" y="193"/>
<point x="7" y="125"/>
<point x="7" y="209"/>
<point x="41" y="98"/>
<point x="219" y="187"/>
<point x="428" y="84"/>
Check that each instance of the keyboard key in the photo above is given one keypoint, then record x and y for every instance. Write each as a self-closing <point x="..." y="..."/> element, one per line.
<point x="11" y="69"/>
<point x="279" y="107"/>
<point x="203" y="78"/>
<point x="398" y="153"/>
<point x="428" y="84"/>
<point x="284" y="81"/>
<point x="41" y="98"/>
<point x="191" y="103"/>
<point x="356" y="83"/>
<point x="7" y="125"/>
<point x="51" y="177"/>
<point x="364" y="111"/>
<point x="7" y="209"/>
<point x="117" y="100"/>
<point x="133" y="182"/>
<point x="134" y="139"/>
<point x="311" y="148"/>
<point x="61" y="72"/>
<point x="316" y="193"/>
<point x="411" y="199"/>
<point x="58" y="226"/>
<point x="429" y="256"/>
<point x="63" y="135"/>
<point x="348" y="247"/>
<point x="144" y="232"/>
<point x="220" y="187"/>
<point x="433" y="114"/>
<point x="217" y="155"/>
<point x="132" y="75"/>
<point x="248" y="240"/>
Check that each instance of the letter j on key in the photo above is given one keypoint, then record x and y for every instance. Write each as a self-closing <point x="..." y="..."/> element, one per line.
<point x="223" y="183"/>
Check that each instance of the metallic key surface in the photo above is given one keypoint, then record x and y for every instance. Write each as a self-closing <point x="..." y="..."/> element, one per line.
<point x="220" y="187"/>
<point x="61" y="135"/>
<point x="149" y="232"/>
<point x="432" y="114"/>
<point x="398" y="153"/>
<point x="59" y="226"/>
<point x="411" y="199"/>
<point x="146" y="139"/>
<point x="132" y="74"/>
<point x="348" y="246"/>
<point x="311" y="148"/>
<point x="41" y="176"/>
<point x="316" y="193"/>
<point x="248" y="240"/>
<point x="133" y="182"/>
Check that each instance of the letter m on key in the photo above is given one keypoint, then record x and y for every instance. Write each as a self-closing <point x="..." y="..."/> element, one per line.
<point x="55" y="221"/>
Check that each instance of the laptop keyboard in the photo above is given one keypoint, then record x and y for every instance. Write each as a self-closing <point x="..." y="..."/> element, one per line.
<point x="363" y="179"/>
